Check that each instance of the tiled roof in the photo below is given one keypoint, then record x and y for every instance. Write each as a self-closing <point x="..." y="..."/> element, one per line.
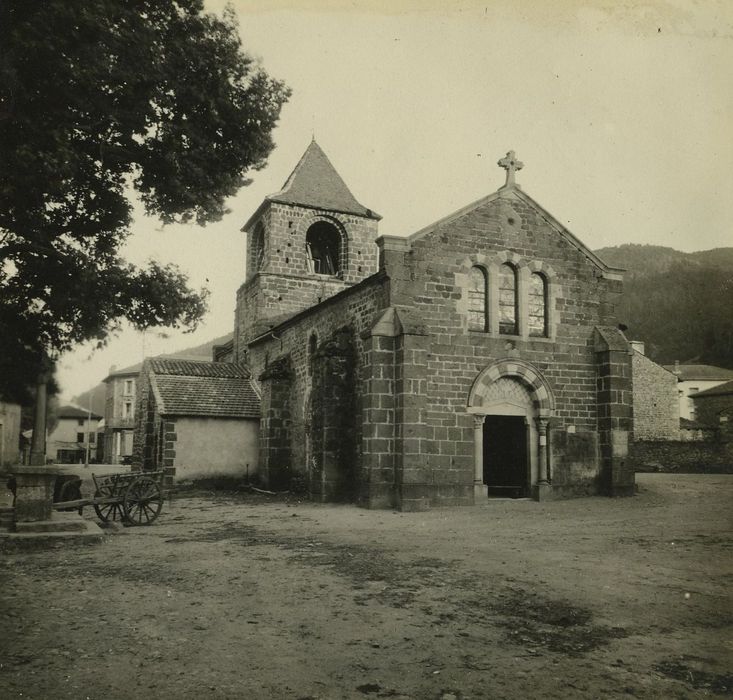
<point x="196" y="368"/>
<point x="315" y="183"/>
<point x="204" y="389"/>
<point x="134" y="370"/>
<point x="720" y="390"/>
<point x="131" y="371"/>
<point x="76" y="412"/>
<point x="687" y="373"/>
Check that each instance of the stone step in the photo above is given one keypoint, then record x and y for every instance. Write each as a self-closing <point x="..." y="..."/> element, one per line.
<point x="59" y="522"/>
<point x="7" y="518"/>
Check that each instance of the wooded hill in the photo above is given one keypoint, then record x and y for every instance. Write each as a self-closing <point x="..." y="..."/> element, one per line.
<point x="679" y="304"/>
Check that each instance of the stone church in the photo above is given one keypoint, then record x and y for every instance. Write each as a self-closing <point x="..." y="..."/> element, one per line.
<point x="478" y="357"/>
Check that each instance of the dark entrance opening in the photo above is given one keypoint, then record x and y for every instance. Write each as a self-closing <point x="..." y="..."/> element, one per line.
<point x="506" y="459"/>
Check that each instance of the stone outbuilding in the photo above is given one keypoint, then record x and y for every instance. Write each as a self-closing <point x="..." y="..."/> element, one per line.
<point x="196" y="420"/>
<point x="656" y="403"/>
<point x="480" y="356"/>
<point x="714" y="406"/>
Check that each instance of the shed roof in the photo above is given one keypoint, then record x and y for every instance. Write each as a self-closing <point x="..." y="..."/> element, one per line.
<point x="720" y="390"/>
<point x="203" y="389"/>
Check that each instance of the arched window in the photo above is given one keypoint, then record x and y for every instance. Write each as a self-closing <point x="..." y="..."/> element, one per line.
<point x="508" y="302"/>
<point x="477" y="297"/>
<point x="537" y="305"/>
<point x="323" y="245"/>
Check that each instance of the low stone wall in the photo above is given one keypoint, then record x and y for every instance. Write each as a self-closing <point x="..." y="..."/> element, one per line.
<point x="675" y="456"/>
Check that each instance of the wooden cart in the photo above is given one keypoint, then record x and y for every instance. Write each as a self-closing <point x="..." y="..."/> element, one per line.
<point x="133" y="497"/>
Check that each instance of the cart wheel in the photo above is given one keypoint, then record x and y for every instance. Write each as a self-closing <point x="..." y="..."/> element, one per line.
<point x="143" y="501"/>
<point x="71" y="491"/>
<point x="108" y="511"/>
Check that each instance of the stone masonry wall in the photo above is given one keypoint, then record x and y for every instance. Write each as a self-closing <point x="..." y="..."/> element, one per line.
<point x="656" y="404"/>
<point x="284" y="283"/>
<point x="335" y="421"/>
<point x="687" y="457"/>
<point x="411" y="385"/>
<point x="356" y="308"/>
<point x="150" y="449"/>
<point x="430" y="278"/>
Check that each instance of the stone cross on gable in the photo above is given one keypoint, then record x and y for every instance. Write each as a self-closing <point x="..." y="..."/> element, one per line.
<point x="511" y="165"/>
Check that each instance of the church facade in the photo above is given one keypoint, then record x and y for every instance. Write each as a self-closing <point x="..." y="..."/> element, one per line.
<point x="477" y="357"/>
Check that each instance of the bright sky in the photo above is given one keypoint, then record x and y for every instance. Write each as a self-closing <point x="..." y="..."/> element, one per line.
<point x="622" y="117"/>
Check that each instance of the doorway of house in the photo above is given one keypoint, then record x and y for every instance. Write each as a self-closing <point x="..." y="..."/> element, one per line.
<point x="506" y="463"/>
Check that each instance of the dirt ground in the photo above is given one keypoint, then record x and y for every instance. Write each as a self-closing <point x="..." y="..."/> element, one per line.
<point x="240" y="596"/>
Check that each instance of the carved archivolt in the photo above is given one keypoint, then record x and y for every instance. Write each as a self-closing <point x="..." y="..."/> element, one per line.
<point x="514" y="381"/>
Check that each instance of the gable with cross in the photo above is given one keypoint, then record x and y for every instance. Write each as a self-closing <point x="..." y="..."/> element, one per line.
<point x="511" y="165"/>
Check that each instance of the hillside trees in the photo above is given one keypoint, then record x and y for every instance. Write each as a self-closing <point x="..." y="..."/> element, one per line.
<point x="683" y="313"/>
<point x="97" y="99"/>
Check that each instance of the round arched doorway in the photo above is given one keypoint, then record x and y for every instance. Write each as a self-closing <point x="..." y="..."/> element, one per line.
<point x="511" y="403"/>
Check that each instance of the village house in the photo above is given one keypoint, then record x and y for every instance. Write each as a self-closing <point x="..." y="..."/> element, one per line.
<point x="74" y="437"/>
<point x="694" y="378"/>
<point x="119" y="413"/>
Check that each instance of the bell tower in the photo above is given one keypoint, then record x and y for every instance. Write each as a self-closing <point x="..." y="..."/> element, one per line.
<point x="305" y="243"/>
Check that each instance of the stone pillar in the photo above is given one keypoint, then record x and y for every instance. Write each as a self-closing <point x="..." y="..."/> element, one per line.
<point x="480" y="489"/>
<point x="34" y="487"/>
<point x="543" y="489"/>
<point x="615" y="410"/>
<point x="38" y="443"/>
<point x="378" y="438"/>
<point x="415" y="488"/>
<point x="275" y="454"/>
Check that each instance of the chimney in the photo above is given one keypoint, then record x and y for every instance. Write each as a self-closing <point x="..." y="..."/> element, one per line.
<point x="677" y="367"/>
<point x="637" y="345"/>
<point x="112" y="368"/>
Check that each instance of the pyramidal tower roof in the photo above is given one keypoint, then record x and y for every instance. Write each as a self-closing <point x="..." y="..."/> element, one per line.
<point x="315" y="183"/>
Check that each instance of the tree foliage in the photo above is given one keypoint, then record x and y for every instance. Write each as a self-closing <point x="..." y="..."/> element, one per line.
<point x="97" y="98"/>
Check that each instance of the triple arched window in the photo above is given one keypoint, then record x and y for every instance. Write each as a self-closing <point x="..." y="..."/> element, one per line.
<point x="478" y="297"/>
<point x="537" y="313"/>
<point x="519" y="308"/>
<point x="508" y="300"/>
